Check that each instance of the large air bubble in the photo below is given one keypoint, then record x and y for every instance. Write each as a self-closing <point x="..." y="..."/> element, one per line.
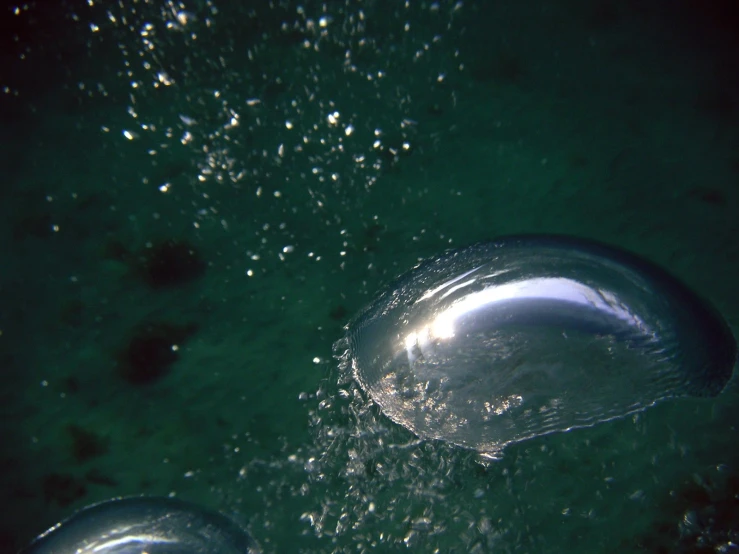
<point x="151" y="525"/>
<point x="505" y="341"/>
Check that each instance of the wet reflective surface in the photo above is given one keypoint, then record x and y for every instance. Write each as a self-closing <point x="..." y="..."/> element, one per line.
<point x="145" y="525"/>
<point x="504" y="341"/>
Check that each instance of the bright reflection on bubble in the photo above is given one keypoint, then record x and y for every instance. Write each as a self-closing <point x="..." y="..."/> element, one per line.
<point x="567" y="290"/>
<point x="143" y="525"/>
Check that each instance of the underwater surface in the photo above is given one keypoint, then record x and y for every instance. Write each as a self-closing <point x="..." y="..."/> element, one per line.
<point x="199" y="196"/>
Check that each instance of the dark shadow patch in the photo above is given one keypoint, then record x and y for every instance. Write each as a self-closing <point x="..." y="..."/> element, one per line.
<point x="62" y="489"/>
<point x="70" y="385"/>
<point x="714" y="197"/>
<point x="171" y="263"/>
<point x="152" y="351"/>
<point x="338" y="313"/>
<point x="85" y="444"/>
<point x="97" y="477"/>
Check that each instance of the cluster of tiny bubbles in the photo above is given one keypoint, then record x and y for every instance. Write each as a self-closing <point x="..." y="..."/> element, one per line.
<point x="371" y="484"/>
<point x="293" y="110"/>
<point x="382" y="488"/>
<point x="365" y="484"/>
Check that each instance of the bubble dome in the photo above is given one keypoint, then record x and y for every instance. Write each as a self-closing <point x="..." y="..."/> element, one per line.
<point x="145" y="524"/>
<point x="520" y="337"/>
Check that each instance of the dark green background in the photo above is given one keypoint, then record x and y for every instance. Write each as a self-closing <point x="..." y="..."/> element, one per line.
<point x="616" y="121"/>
